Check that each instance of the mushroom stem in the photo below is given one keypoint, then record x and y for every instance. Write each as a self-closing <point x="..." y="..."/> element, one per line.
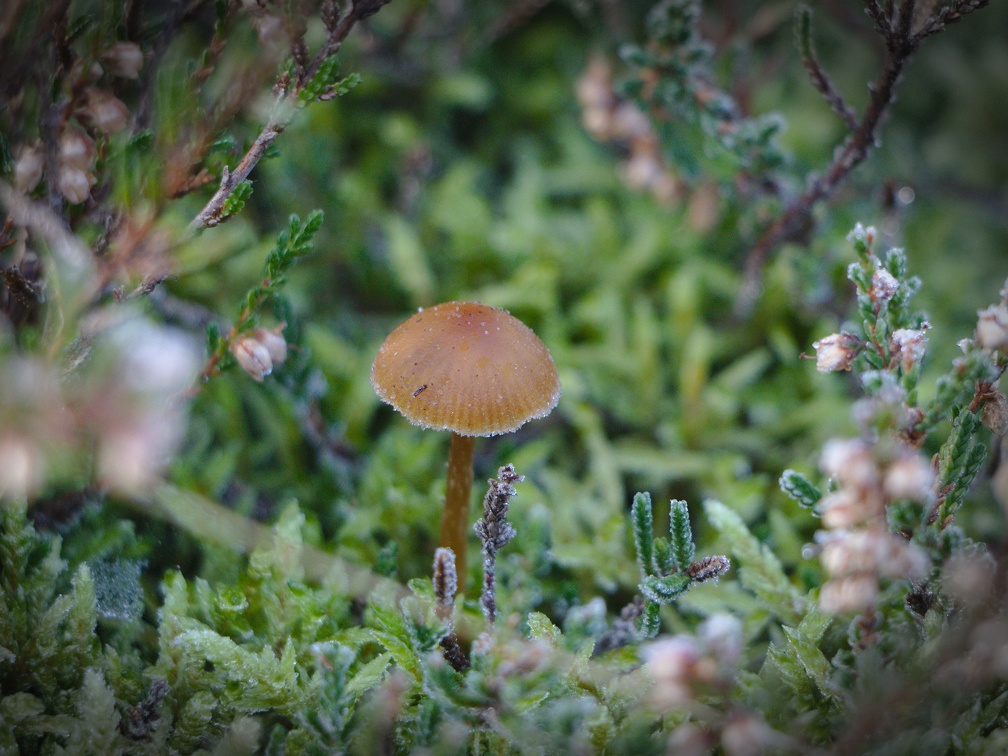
<point x="455" y="520"/>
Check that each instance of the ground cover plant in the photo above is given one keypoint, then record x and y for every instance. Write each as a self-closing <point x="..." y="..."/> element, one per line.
<point x="765" y="247"/>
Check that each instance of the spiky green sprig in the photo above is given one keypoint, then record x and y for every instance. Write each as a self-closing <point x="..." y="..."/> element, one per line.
<point x="666" y="566"/>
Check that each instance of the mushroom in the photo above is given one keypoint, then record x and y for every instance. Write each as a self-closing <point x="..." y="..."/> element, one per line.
<point x="471" y="369"/>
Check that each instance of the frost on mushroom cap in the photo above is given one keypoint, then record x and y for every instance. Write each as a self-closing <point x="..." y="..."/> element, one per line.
<point x="465" y="367"/>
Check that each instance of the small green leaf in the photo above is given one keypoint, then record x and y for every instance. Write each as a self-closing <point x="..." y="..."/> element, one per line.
<point x="236" y="200"/>
<point x="800" y="489"/>
<point x="650" y="621"/>
<point x="369" y="675"/>
<point x="643" y="533"/>
<point x="540" y="626"/>
<point x="681" y="535"/>
<point x="663" y="590"/>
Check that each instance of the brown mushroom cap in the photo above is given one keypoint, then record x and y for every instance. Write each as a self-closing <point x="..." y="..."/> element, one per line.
<point x="468" y="368"/>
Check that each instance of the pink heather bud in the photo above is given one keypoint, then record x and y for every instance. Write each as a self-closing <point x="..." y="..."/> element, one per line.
<point x="74" y="184"/>
<point x="836" y="352"/>
<point x="992" y="327"/>
<point x="124" y="59"/>
<point x="76" y="149"/>
<point x="856" y="593"/>
<point x="908" y="345"/>
<point x="105" y="111"/>
<point x="253" y="356"/>
<point x="883" y="285"/>
<point x="274" y="342"/>
<point x="909" y="477"/>
<point x="28" y="168"/>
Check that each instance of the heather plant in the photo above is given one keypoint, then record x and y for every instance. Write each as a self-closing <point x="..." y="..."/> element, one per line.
<point x="767" y="514"/>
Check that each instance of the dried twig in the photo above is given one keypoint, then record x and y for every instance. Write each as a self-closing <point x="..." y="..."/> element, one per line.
<point x="495" y="532"/>
<point x="820" y="79"/>
<point x="445" y="581"/>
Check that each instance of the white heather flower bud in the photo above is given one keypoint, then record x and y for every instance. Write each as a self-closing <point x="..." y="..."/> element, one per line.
<point x="594" y="88"/>
<point x="992" y="327"/>
<point x="995" y="414"/>
<point x="597" y="122"/>
<point x="722" y="635"/>
<point x="105" y="111"/>
<point x="851" y="461"/>
<point x="875" y="551"/>
<point x="909" y="345"/>
<point x="124" y="59"/>
<point x="630" y="122"/>
<point x="847" y="507"/>
<point x="641" y="170"/>
<point x="836" y="352"/>
<point x="253" y="356"/>
<point x="28" y="168"/>
<point x="76" y="149"/>
<point x="274" y="342"/>
<point x="855" y="593"/>
<point x="22" y="464"/>
<point x="883" y="285"/>
<point x="672" y="662"/>
<point x="74" y="184"/>
<point x="909" y="477"/>
<point x="970" y="576"/>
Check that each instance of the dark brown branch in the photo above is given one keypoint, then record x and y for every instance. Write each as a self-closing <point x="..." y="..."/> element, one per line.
<point x="820" y="79"/>
<point x="901" y="42"/>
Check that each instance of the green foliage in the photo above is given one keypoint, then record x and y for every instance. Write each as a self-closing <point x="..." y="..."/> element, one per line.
<point x="211" y="613"/>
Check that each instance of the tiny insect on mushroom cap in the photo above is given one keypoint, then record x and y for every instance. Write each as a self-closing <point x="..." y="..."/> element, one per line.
<point x="468" y="368"/>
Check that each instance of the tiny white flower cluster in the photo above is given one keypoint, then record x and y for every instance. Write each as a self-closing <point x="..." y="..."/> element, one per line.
<point x="611" y="119"/>
<point x="683" y="666"/>
<point x="96" y="108"/>
<point x="992" y="328"/>
<point x="857" y="549"/>
<point x="122" y="404"/>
